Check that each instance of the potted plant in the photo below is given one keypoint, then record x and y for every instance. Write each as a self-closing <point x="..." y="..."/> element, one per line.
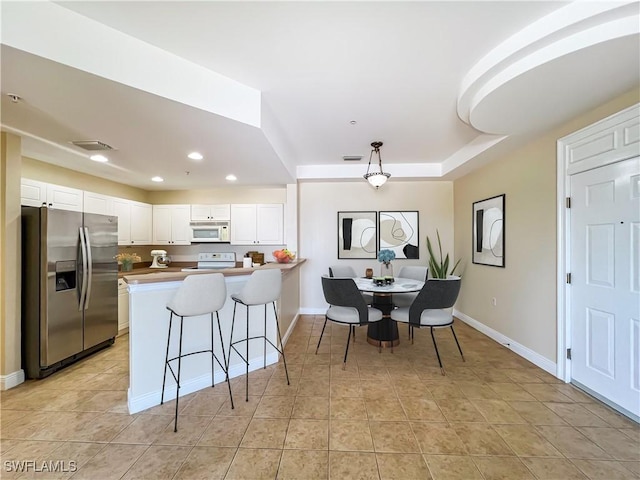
<point x="439" y="267"/>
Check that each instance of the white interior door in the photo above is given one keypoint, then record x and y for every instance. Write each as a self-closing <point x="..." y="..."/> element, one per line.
<point x="605" y="284"/>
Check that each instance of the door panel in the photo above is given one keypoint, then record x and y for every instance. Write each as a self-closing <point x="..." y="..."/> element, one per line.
<point x="101" y="315"/>
<point x="61" y="328"/>
<point x="605" y="299"/>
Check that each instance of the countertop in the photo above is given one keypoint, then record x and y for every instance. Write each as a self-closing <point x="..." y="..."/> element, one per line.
<point x="171" y="274"/>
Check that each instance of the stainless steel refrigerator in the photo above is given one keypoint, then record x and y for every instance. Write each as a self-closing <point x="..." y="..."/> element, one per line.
<point x="69" y="287"/>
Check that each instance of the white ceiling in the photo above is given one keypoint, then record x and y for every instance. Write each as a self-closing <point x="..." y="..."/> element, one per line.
<point x="267" y="90"/>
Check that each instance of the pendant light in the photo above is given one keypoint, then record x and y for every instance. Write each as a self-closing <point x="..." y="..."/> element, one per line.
<point x="376" y="179"/>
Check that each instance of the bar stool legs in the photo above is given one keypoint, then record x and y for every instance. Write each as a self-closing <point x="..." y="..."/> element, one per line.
<point x="245" y="357"/>
<point x="214" y="358"/>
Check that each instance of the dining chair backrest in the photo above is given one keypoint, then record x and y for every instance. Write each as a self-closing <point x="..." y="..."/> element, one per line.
<point x="345" y="271"/>
<point x="414" y="273"/>
<point x="343" y="292"/>
<point x="435" y="294"/>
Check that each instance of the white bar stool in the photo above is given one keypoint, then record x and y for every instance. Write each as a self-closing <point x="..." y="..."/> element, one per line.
<point x="198" y="295"/>
<point x="263" y="287"/>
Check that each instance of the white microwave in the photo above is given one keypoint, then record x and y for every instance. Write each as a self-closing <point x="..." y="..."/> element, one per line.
<point x="209" y="232"/>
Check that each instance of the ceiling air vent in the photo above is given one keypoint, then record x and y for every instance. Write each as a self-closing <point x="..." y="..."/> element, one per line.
<point x="92" y="145"/>
<point x="352" y="158"/>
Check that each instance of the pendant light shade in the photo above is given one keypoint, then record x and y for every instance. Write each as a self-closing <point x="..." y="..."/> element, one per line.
<point x="376" y="178"/>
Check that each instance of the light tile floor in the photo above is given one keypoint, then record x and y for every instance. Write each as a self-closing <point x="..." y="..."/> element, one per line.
<point x="386" y="416"/>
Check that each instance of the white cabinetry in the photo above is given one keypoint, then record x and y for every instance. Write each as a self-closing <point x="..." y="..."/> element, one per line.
<point x="123" y="306"/>
<point x="34" y="193"/>
<point x="141" y="223"/>
<point x="98" y="203"/>
<point x="134" y="221"/>
<point x="171" y="224"/>
<point x="257" y="224"/>
<point x="200" y="213"/>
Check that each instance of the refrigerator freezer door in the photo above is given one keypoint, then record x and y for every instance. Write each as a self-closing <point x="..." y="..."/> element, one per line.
<point x="101" y="314"/>
<point x="60" y="319"/>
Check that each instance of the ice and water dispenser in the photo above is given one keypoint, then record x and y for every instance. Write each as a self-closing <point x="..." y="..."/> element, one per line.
<point x="65" y="275"/>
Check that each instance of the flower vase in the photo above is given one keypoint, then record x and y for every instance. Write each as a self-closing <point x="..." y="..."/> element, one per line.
<point x="127" y="266"/>
<point x="386" y="269"/>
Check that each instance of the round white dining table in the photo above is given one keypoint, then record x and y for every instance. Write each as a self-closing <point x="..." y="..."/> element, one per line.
<point x="386" y="331"/>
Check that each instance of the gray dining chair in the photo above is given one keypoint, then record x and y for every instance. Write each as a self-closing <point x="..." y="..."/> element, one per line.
<point x="432" y="308"/>
<point x="419" y="273"/>
<point x="347" y="271"/>
<point x="406" y="299"/>
<point x="346" y="307"/>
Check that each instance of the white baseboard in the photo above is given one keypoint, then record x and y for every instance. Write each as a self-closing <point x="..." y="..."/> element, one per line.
<point x="152" y="399"/>
<point x="12" y="380"/>
<point x="287" y="334"/>
<point x="313" y="311"/>
<point x="534" y="357"/>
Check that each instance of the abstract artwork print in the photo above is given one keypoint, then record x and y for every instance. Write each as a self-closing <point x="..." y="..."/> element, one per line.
<point x="399" y="232"/>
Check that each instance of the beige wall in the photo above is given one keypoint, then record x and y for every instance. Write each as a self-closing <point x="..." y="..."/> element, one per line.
<point x="526" y="289"/>
<point x="318" y="206"/>
<point x="10" y="268"/>
<point x="220" y="195"/>
<point x="46" y="172"/>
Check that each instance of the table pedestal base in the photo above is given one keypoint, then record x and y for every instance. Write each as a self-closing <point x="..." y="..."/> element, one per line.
<point x="386" y="330"/>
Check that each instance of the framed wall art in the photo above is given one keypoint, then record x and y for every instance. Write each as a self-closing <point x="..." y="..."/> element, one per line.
<point x="398" y="231"/>
<point x="357" y="235"/>
<point x="488" y="231"/>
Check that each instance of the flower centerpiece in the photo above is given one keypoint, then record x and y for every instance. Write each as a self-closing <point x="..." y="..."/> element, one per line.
<point x="127" y="260"/>
<point x="384" y="257"/>
<point x="284" y="255"/>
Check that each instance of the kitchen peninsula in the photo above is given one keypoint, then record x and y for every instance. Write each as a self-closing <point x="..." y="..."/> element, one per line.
<point x="149" y="323"/>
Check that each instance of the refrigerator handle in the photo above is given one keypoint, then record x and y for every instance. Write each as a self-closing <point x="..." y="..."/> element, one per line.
<point x="83" y="253"/>
<point x="89" y="267"/>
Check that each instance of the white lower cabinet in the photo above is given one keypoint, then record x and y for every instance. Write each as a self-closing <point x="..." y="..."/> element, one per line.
<point x="123" y="306"/>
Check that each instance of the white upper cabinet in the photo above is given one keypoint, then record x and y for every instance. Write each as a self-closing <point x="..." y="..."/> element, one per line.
<point x="171" y="225"/>
<point x="98" y="203"/>
<point x="257" y="224"/>
<point x="202" y="213"/>
<point x="121" y="208"/>
<point x="141" y="223"/>
<point x="134" y="221"/>
<point x="36" y="194"/>
<point x="33" y="193"/>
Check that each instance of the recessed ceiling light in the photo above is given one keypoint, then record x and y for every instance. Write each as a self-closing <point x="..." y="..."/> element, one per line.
<point x="99" y="158"/>
<point x="231" y="177"/>
<point x="353" y="122"/>
<point x="195" y="156"/>
<point x="157" y="179"/>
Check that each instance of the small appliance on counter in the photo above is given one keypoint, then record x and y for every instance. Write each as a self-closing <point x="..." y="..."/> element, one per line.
<point x="160" y="259"/>
<point x="214" y="261"/>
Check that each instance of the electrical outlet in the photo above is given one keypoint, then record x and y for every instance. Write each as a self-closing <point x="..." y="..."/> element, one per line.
<point x="494" y="301"/>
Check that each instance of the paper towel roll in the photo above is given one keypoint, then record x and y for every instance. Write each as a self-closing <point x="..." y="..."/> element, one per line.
<point x="246" y="262"/>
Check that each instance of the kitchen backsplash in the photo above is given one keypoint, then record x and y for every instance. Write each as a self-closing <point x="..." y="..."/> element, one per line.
<point x="189" y="253"/>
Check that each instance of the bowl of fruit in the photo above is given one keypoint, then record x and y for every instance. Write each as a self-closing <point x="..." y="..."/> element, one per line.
<point x="284" y="255"/>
